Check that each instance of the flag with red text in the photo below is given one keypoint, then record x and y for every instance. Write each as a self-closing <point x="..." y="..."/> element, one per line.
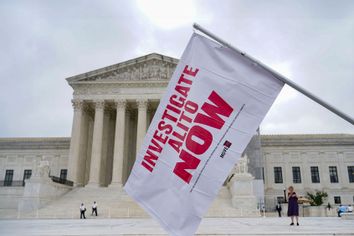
<point x="213" y="105"/>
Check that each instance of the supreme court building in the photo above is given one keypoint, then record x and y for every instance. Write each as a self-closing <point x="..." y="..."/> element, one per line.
<point x="113" y="108"/>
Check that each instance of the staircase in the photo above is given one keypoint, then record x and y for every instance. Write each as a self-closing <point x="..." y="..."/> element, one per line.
<point x="115" y="203"/>
<point x="112" y="203"/>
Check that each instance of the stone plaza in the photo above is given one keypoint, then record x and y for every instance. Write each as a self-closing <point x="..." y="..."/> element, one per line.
<point x="209" y="226"/>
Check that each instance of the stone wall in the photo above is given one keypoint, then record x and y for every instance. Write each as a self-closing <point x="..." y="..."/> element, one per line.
<point x="20" y="154"/>
<point x="10" y="197"/>
<point x="304" y="151"/>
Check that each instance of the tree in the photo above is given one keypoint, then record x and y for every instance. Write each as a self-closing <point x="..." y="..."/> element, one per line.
<point x="317" y="199"/>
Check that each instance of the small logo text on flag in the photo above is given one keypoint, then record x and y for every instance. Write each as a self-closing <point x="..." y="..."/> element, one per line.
<point x="227" y="145"/>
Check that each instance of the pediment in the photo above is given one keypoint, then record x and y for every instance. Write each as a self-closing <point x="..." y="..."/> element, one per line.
<point x="152" y="67"/>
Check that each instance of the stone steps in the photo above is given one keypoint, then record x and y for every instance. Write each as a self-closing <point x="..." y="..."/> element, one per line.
<point x="112" y="203"/>
<point x="115" y="203"/>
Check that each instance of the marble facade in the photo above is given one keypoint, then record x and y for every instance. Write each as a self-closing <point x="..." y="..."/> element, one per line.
<point x="113" y="107"/>
<point x="303" y="152"/>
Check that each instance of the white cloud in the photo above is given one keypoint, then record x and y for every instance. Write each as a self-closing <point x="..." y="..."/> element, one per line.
<point x="168" y="14"/>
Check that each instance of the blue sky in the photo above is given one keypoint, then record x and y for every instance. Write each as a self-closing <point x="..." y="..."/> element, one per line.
<point x="44" y="42"/>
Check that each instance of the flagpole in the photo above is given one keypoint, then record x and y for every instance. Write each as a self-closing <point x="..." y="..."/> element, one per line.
<point x="277" y="75"/>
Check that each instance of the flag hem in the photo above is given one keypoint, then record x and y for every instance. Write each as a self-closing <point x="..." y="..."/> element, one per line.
<point x="149" y="210"/>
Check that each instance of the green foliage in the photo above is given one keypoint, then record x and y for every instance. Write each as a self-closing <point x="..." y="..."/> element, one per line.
<point x="318" y="198"/>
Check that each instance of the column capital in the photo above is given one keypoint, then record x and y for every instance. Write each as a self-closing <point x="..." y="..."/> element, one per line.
<point x="77" y="104"/>
<point x="120" y="103"/>
<point x="142" y="103"/>
<point x="99" y="104"/>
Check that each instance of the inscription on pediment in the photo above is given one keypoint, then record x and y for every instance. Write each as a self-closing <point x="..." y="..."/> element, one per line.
<point x="148" y="70"/>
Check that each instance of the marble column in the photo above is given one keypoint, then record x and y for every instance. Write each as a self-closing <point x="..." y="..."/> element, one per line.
<point x="118" y="156"/>
<point x="83" y="147"/>
<point x="141" y="130"/>
<point x="129" y="144"/>
<point x="96" y="154"/>
<point x="90" y="120"/>
<point x="104" y="152"/>
<point x="76" y="136"/>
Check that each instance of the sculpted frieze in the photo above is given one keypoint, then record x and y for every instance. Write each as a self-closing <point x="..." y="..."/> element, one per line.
<point x="149" y="70"/>
<point x="103" y="89"/>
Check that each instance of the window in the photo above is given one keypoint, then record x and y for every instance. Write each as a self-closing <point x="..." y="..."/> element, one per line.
<point x="63" y="174"/>
<point x="337" y="200"/>
<point x="333" y="174"/>
<point x="278" y="175"/>
<point x="296" y="175"/>
<point x="351" y="174"/>
<point x="26" y="175"/>
<point x="315" y="174"/>
<point x="8" y="177"/>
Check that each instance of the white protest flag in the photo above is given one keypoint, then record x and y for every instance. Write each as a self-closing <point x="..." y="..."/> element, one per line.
<point x="214" y="103"/>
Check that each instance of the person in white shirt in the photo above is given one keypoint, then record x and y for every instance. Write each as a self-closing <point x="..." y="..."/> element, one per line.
<point x="350" y="208"/>
<point x="94" y="208"/>
<point x="82" y="211"/>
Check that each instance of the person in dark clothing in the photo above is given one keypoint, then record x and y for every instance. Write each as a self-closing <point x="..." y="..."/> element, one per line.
<point x="278" y="208"/>
<point x="94" y="208"/>
<point x="82" y="211"/>
<point x="293" y="206"/>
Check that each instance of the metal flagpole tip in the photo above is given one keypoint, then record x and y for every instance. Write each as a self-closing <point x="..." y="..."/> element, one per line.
<point x="196" y="26"/>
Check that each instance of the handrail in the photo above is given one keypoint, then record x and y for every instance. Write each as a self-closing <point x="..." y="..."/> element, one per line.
<point x="62" y="181"/>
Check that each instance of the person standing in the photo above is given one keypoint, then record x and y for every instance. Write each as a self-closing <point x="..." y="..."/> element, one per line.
<point x="341" y="210"/>
<point x="263" y="210"/>
<point x="82" y="211"/>
<point x="278" y="208"/>
<point x="94" y="208"/>
<point x="293" y="206"/>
